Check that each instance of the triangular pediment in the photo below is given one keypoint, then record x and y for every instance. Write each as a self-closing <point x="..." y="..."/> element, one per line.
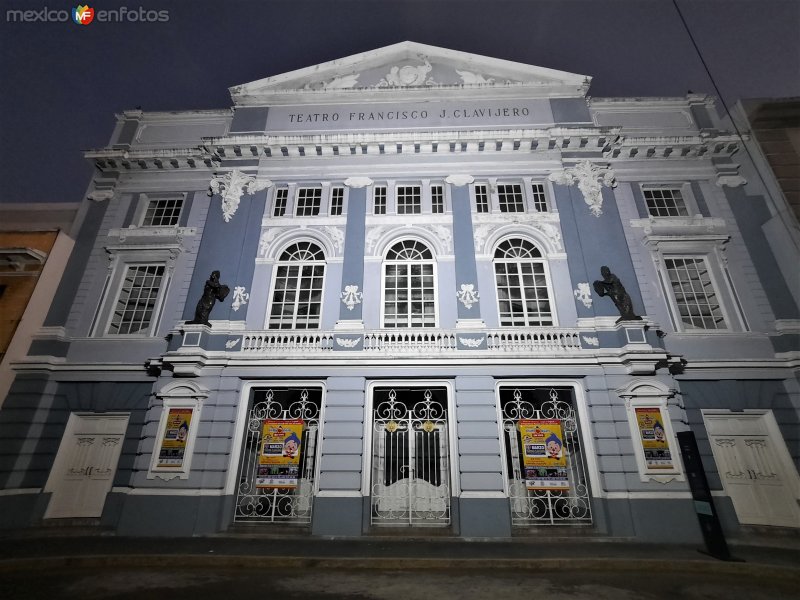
<point x="409" y="69"/>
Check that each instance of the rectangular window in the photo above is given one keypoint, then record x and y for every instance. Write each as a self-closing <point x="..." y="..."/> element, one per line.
<point x="136" y="303"/>
<point x="409" y="200"/>
<point x="162" y="212"/>
<point x="337" y="201"/>
<point x="379" y="200"/>
<point x="538" y="199"/>
<point x="665" y="202"/>
<point x="695" y="297"/>
<point x="308" y="201"/>
<point x="482" y="198"/>
<point x="510" y="197"/>
<point x="281" y="196"/>
<point x="437" y="199"/>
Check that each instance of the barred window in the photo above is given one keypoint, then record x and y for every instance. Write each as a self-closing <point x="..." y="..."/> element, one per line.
<point x="409" y="200"/>
<point x="297" y="291"/>
<point x="137" y="300"/>
<point x="522" y="290"/>
<point x="538" y="199"/>
<point x="437" y="199"/>
<point x="308" y="201"/>
<point x="409" y="289"/>
<point x="695" y="296"/>
<point x="482" y="198"/>
<point x="510" y="197"/>
<point x="281" y="196"/>
<point x="379" y="200"/>
<point x="162" y="212"/>
<point x="665" y="202"/>
<point x="337" y="201"/>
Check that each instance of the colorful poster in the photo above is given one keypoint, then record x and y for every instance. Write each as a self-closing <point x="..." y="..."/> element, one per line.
<point x="176" y="435"/>
<point x="279" y="459"/>
<point x="657" y="454"/>
<point x="544" y="458"/>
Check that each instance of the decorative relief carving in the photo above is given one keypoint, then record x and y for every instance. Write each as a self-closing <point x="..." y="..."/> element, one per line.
<point x="408" y="75"/>
<point x="537" y="221"/>
<point x="267" y="236"/>
<point x="347" y="342"/>
<point x="591" y="340"/>
<point x="351" y="296"/>
<point x="337" y="237"/>
<point x="481" y="233"/>
<point x="470" y="342"/>
<point x="240" y="297"/>
<point x="443" y="233"/>
<point x="371" y="240"/>
<point x="343" y="82"/>
<point x="590" y="179"/>
<point x="470" y="78"/>
<point x="468" y="295"/>
<point x="231" y="343"/>
<point x="584" y="293"/>
<point x="231" y="186"/>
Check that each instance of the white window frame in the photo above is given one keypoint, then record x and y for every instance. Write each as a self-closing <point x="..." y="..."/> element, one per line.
<point x="652" y="394"/>
<point x="522" y="195"/>
<point x="279" y="203"/>
<point x="712" y="253"/>
<point x="341" y="193"/>
<point x="278" y="263"/>
<point x="488" y="190"/>
<point x="146" y="200"/>
<point x="687" y="195"/>
<point x="177" y="395"/>
<point x="120" y="260"/>
<point x="443" y="189"/>
<point x="548" y="279"/>
<point x="316" y="195"/>
<point x="417" y="204"/>
<point x="385" y="199"/>
<point x="433" y="261"/>
<point x="532" y="202"/>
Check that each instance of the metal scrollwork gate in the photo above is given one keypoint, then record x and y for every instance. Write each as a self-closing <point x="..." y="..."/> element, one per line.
<point x="284" y="505"/>
<point x="410" y="458"/>
<point x="544" y="506"/>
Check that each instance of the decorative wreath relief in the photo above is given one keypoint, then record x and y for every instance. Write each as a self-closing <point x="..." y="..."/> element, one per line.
<point x="468" y="295"/>
<point x="347" y="342"/>
<point x="470" y="342"/>
<point x="351" y="296"/>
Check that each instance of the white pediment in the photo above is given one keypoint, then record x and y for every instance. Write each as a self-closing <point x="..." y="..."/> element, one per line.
<point x="409" y="69"/>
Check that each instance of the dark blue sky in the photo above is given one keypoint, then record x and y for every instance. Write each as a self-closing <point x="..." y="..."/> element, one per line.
<point x="60" y="83"/>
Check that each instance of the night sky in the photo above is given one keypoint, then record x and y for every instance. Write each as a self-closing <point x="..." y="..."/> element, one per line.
<point x="61" y="83"/>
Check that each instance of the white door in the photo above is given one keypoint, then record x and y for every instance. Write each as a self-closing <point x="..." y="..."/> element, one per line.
<point x="85" y="465"/>
<point x="755" y="469"/>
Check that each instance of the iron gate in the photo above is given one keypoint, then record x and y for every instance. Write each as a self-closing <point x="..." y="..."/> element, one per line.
<point x="410" y="458"/>
<point x="285" y="505"/>
<point x="537" y="506"/>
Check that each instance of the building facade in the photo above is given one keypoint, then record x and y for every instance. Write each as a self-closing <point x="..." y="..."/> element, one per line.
<point x="410" y="289"/>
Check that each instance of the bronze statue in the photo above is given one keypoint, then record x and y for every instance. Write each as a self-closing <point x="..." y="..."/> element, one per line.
<point x="611" y="286"/>
<point x="212" y="291"/>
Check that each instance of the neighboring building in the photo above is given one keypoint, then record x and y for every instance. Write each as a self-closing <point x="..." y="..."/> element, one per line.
<point x="35" y="242"/>
<point x="412" y="240"/>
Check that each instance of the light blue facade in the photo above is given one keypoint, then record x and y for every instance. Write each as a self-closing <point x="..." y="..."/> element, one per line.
<point x="412" y="229"/>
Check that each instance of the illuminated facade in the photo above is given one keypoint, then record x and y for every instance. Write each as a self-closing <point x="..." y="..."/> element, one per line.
<point x="412" y="241"/>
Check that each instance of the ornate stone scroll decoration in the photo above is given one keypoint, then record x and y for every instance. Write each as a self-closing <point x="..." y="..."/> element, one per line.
<point x="443" y="233"/>
<point x="611" y="286"/>
<point x="468" y="295"/>
<point x="730" y="180"/>
<point x="481" y="233"/>
<point x="584" y="294"/>
<point x="337" y="237"/>
<point x="212" y="291"/>
<point x="266" y="239"/>
<point x="347" y="342"/>
<point x="408" y="75"/>
<point x="231" y="186"/>
<point x="470" y="78"/>
<point x="470" y="342"/>
<point x="551" y="231"/>
<point x="357" y="182"/>
<point x="372" y="237"/>
<point x="591" y="340"/>
<point x="240" y="297"/>
<point x="459" y="179"/>
<point x="590" y="179"/>
<point x="351" y="296"/>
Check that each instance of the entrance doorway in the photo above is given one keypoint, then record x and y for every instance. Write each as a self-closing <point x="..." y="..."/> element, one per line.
<point x="85" y="465"/>
<point x="410" y="473"/>
<point x="754" y="465"/>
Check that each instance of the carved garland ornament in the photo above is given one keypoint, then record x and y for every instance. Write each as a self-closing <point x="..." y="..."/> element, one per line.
<point x="590" y="179"/>
<point x="231" y="186"/>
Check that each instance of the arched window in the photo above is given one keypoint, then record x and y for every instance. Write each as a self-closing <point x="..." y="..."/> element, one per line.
<point x="297" y="295"/>
<point x="521" y="280"/>
<point x="409" y="295"/>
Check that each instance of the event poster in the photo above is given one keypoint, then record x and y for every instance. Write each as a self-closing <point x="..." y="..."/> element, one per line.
<point x="657" y="454"/>
<point x="544" y="459"/>
<point x="176" y="436"/>
<point x="279" y="459"/>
